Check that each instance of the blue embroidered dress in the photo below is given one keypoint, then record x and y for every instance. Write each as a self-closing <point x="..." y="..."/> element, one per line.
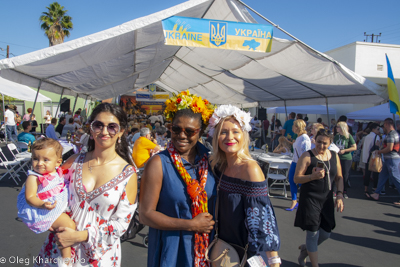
<point x="246" y="216"/>
<point x="176" y="248"/>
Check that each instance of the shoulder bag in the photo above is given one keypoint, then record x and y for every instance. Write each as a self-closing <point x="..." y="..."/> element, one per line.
<point x="223" y="254"/>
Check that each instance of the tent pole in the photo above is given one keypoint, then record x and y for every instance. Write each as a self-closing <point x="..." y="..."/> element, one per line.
<point x="4" y="116"/>
<point x="394" y="120"/>
<point x="285" y="109"/>
<point x="59" y="102"/>
<point x="73" y="110"/>
<point x="34" y="103"/>
<point x="327" y="111"/>
<point x="88" y="112"/>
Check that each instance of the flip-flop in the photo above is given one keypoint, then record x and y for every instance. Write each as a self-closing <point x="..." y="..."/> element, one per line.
<point x="397" y="203"/>
<point x="367" y="195"/>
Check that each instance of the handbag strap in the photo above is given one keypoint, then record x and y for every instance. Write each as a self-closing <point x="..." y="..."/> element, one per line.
<point x="217" y="205"/>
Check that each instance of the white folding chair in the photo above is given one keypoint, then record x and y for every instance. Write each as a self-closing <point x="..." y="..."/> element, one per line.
<point x="22" y="145"/>
<point x="10" y="165"/>
<point x="279" y="179"/>
<point x="24" y="160"/>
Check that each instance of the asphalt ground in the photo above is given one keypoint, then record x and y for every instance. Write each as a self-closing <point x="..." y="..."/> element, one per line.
<point x="367" y="232"/>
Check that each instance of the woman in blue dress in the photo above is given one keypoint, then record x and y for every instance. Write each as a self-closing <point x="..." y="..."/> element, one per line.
<point x="246" y="217"/>
<point x="175" y="184"/>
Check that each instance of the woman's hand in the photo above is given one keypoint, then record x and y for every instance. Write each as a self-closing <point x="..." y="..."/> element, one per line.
<point x="66" y="237"/>
<point x="341" y="152"/>
<point x="339" y="203"/>
<point x="317" y="173"/>
<point x="202" y="223"/>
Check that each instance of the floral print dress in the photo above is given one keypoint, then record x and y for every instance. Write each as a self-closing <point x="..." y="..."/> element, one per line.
<point x="104" y="212"/>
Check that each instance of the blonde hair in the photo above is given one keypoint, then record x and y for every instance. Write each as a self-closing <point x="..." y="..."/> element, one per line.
<point x="345" y="129"/>
<point x="284" y="142"/>
<point x="218" y="158"/>
<point x="318" y="126"/>
<point x="301" y="126"/>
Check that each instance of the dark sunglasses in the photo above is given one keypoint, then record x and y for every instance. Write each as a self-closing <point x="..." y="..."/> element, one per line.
<point x="98" y="126"/>
<point x="189" y="132"/>
<point x="325" y="131"/>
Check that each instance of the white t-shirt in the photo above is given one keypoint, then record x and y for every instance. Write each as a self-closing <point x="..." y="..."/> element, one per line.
<point x="301" y="145"/>
<point x="10" y="117"/>
<point x="161" y="118"/>
<point x="153" y="119"/>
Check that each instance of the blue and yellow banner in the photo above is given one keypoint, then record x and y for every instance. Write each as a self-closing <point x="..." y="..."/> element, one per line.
<point x="220" y="34"/>
<point x="392" y="91"/>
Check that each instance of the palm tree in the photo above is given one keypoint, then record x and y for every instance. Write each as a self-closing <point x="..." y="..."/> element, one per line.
<point x="56" y="24"/>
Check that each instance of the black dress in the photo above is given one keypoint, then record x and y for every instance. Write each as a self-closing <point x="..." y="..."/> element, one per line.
<point x="316" y="206"/>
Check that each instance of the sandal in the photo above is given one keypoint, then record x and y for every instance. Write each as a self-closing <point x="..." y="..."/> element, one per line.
<point x="376" y="199"/>
<point x="302" y="259"/>
<point x="367" y="195"/>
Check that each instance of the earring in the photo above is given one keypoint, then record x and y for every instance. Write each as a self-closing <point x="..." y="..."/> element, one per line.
<point x="119" y="140"/>
<point x="91" y="137"/>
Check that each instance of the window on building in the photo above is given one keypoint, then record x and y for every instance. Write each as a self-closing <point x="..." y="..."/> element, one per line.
<point x="379" y="67"/>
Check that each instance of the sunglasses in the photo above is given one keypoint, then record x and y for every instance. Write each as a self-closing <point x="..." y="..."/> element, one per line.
<point x="189" y="132"/>
<point x="325" y="131"/>
<point x="98" y="126"/>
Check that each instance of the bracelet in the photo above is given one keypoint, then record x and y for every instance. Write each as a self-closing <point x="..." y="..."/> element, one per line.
<point x="274" y="260"/>
<point x="337" y="192"/>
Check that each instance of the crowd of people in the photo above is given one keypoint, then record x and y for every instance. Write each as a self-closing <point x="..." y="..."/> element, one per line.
<point x="194" y="200"/>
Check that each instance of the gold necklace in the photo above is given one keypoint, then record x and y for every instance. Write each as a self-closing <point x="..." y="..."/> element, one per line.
<point x="318" y="155"/>
<point x="90" y="167"/>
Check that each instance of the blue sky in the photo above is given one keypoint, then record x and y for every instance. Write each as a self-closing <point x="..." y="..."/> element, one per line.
<point x="324" y="25"/>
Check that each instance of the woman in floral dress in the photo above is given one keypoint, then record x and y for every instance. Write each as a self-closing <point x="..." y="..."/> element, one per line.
<point x="102" y="200"/>
<point x="246" y="217"/>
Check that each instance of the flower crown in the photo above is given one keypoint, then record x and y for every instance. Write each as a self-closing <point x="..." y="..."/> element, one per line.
<point x="186" y="100"/>
<point x="224" y="111"/>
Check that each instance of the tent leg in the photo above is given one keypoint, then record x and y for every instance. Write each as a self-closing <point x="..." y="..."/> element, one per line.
<point x="59" y="102"/>
<point x="88" y="112"/>
<point x="394" y="120"/>
<point x="285" y="110"/>
<point x="4" y="116"/>
<point x="327" y="110"/>
<point x="34" y="103"/>
<point x="73" y="110"/>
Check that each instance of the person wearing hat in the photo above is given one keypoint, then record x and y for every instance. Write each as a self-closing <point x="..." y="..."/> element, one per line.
<point x="9" y="120"/>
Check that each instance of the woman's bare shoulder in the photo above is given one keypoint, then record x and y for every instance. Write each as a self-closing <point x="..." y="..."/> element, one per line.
<point x="253" y="171"/>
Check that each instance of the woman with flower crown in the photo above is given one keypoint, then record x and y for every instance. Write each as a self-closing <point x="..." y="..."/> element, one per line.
<point x="246" y="217"/>
<point x="178" y="190"/>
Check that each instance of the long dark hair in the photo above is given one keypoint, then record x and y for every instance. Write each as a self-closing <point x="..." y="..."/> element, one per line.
<point x="119" y="113"/>
<point x="278" y="123"/>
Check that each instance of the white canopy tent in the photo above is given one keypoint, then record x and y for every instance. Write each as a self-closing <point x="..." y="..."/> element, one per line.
<point x="133" y="55"/>
<point x="19" y="91"/>
<point x="313" y="109"/>
<point x="377" y="113"/>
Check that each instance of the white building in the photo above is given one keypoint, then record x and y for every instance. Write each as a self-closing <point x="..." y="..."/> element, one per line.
<point x="368" y="60"/>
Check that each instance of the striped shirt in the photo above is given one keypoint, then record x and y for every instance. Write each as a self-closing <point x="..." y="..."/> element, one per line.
<point x="392" y="138"/>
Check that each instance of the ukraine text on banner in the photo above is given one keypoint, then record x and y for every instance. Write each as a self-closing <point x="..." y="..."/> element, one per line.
<point x="217" y="34"/>
<point x="392" y="91"/>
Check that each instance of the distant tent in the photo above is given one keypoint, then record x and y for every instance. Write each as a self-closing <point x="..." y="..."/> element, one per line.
<point x="20" y="91"/>
<point x="313" y="109"/>
<point x="377" y="113"/>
